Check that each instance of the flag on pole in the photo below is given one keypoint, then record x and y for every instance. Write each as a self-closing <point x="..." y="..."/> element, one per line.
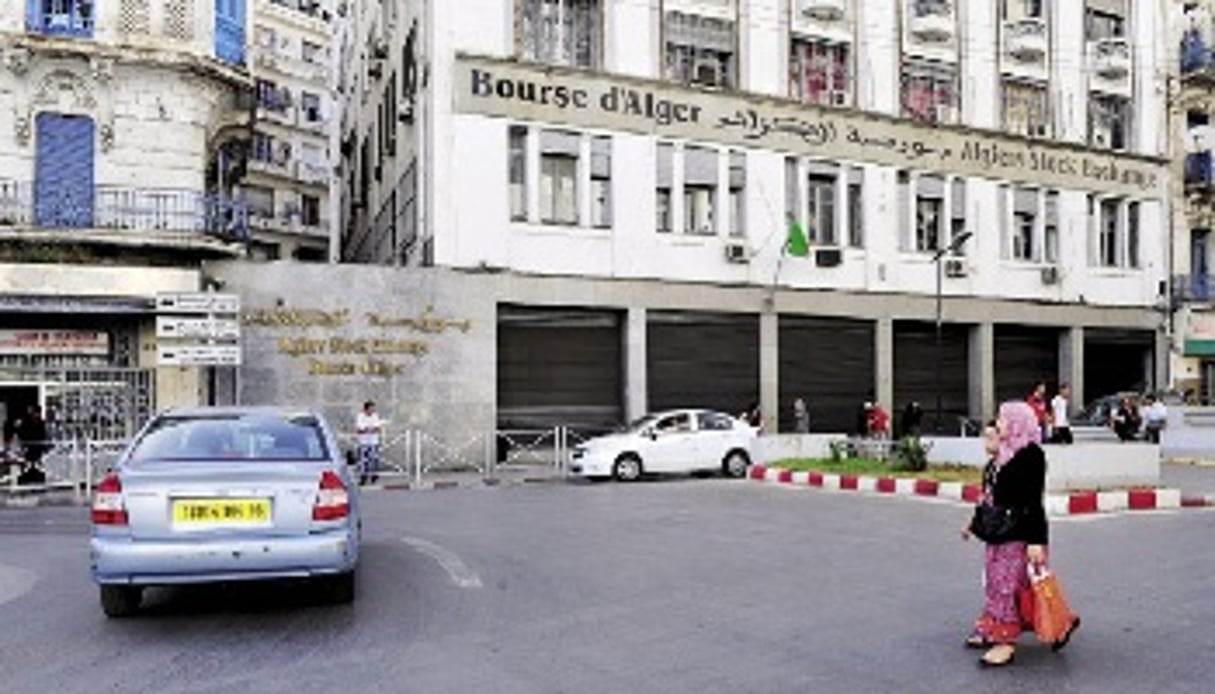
<point x="796" y="245"/>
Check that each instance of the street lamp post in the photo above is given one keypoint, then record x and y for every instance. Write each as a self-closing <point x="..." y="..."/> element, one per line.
<point x="954" y="245"/>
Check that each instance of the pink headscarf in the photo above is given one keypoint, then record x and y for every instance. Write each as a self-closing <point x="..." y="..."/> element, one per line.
<point x="1021" y="428"/>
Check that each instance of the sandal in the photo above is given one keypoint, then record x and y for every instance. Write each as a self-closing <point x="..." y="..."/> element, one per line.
<point x="977" y="640"/>
<point x="1067" y="636"/>
<point x="988" y="660"/>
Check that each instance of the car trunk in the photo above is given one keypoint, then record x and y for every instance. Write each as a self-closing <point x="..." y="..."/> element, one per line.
<point x="151" y="490"/>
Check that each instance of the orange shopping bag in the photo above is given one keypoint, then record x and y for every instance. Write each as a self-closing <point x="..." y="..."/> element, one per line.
<point x="1053" y="619"/>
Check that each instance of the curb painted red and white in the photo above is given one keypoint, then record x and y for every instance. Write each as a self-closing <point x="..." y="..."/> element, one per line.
<point x="1074" y="503"/>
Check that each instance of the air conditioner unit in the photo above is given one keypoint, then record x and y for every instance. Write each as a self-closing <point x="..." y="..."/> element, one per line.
<point x="1050" y="274"/>
<point x="405" y="111"/>
<point x="828" y="257"/>
<point x="375" y="71"/>
<point x="1101" y="138"/>
<point x="379" y="49"/>
<point x="839" y="98"/>
<point x="737" y="252"/>
<point x="955" y="267"/>
<point x="707" y="73"/>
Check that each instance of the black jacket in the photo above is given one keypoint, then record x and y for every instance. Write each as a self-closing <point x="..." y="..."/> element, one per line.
<point x="1019" y="485"/>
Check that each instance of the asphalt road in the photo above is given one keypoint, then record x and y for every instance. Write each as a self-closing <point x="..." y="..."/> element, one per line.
<point x="673" y="586"/>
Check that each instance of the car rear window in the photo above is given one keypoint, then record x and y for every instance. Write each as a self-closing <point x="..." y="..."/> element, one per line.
<point x="248" y="437"/>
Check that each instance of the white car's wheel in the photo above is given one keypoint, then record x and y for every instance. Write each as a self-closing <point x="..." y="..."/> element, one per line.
<point x="627" y="468"/>
<point x="735" y="464"/>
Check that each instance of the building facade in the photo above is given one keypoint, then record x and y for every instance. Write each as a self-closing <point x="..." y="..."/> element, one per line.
<point x="1193" y="251"/>
<point x="290" y="167"/>
<point x="123" y="127"/>
<point x="625" y="160"/>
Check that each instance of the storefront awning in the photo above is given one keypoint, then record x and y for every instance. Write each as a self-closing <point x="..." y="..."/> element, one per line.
<point x="1200" y="348"/>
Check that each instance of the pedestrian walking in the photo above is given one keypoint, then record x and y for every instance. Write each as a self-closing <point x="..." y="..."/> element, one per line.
<point x="801" y="417"/>
<point x="1011" y="520"/>
<point x="1037" y="401"/>
<point x="1059" y="406"/>
<point x="1155" y="418"/>
<point x="33" y="435"/>
<point x="913" y="418"/>
<point x="369" y="428"/>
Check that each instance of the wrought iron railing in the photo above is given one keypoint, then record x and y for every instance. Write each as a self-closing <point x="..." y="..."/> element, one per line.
<point x="1194" y="288"/>
<point x="61" y="17"/>
<point x="126" y="209"/>
<point x="1198" y="169"/>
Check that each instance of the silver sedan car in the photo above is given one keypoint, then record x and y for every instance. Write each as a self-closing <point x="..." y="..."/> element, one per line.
<point x="225" y="494"/>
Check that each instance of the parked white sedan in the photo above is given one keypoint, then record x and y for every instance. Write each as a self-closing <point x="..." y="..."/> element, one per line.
<point x="667" y="442"/>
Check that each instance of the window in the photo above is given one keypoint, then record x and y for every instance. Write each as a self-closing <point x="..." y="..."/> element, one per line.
<point x="738" y="193"/>
<point x="1024" y="9"/>
<point x="700" y="191"/>
<point x="929" y="213"/>
<point x="957" y="221"/>
<point x="1108" y="233"/>
<point x="559" y="177"/>
<point x="856" y="209"/>
<point x="310" y="210"/>
<point x="699" y="50"/>
<point x="311" y="105"/>
<point x="924" y="8"/>
<point x="819" y="73"/>
<point x="560" y="32"/>
<point x="1132" y="235"/>
<point x="272" y="98"/>
<point x="1051" y="231"/>
<point x="311" y="52"/>
<point x="260" y="201"/>
<point x="714" y="421"/>
<point x="820" y="209"/>
<point x="601" y="182"/>
<point x="517" y="164"/>
<point x="1103" y="25"/>
<point x="1025" y="109"/>
<point x="61" y="17"/>
<point x="1025" y="224"/>
<point x="1109" y="122"/>
<point x="262" y="148"/>
<point x="664" y="186"/>
<point x="929" y="92"/>
<point x="264" y="37"/>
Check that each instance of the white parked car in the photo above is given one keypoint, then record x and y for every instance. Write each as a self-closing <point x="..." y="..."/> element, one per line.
<point x="674" y="441"/>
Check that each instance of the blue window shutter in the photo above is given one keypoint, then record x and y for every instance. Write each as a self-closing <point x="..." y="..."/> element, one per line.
<point x="230" y="31"/>
<point x="63" y="185"/>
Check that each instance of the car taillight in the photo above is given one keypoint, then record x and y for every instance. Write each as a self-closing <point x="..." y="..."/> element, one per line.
<point x="108" y="508"/>
<point x="332" y="499"/>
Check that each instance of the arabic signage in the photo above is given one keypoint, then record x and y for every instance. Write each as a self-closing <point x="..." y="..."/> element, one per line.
<point x="208" y="328"/>
<point x="198" y="329"/>
<point x="54" y="342"/>
<point x="595" y="100"/>
<point x="197" y="302"/>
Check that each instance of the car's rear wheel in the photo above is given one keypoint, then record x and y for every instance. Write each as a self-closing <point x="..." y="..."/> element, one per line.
<point x="627" y="468"/>
<point x="120" y="601"/>
<point x="735" y="464"/>
<point x="340" y="588"/>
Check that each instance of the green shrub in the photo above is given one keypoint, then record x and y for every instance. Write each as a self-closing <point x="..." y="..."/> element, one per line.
<point x="910" y="454"/>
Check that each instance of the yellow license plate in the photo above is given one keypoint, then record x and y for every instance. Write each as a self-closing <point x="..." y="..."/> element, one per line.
<point x="249" y="511"/>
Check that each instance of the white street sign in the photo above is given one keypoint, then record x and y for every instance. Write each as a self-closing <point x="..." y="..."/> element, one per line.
<point x="198" y="355"/>
<point x="197" y="302"/>
<point x="197" y="328"/>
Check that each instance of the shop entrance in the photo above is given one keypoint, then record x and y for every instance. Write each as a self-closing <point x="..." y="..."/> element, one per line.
<point x="15" y="400"/>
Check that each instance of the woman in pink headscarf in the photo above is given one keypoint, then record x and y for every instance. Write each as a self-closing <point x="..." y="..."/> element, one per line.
<point x="1014" y="480"/>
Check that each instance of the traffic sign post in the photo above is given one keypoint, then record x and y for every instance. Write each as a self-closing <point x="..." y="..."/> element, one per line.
<point x="200" y="329"/>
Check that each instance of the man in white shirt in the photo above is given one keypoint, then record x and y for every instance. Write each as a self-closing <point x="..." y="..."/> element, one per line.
<point x="1058" y="409"/>
<point x="368" y="428"/>
<point x="1155" y="416"/>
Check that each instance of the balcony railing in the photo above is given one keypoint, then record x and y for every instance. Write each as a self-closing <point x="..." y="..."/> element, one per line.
<point x="1195" y="53"/>
<point x="1198" y="170"/>
<point x="60" y="17"/>
<point x="123" y="208"/>
<point x="1026" y="39"/>
<point x="1193" y="288"/>
<point x="1111" y="58"/>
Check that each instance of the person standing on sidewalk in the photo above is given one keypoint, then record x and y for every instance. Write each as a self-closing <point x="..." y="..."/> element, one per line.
<point x="1155" y="417"/>
<point x="1058" y="406"/>
<point x="369" y="429"/>
<point x="1037" y="401"/>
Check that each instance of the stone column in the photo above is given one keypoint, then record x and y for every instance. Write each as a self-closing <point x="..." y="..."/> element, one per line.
<point x="1163" y="353"/>
<point x="769" y="370"/>
<point x="883" y="369"/>
<point x="636" y="375"/>
<point x="1071" y="364"/>
<point x="982" y="370"/>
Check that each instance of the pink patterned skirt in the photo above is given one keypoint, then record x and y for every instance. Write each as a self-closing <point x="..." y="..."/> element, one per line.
<point x="1006" y="581"/>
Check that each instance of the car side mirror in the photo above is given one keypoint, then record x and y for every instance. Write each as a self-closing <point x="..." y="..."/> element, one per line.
<point x="653" y="434"/>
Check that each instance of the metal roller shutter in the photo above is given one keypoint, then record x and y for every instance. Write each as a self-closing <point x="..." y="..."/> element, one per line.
<point x="915" y="373"/>
<point x="558" y="366"/>
<point x="702" y="360"/>
<point x="828" y="362"/>
<point x="1024" y="356"/>
<point x="1116" y="361"/>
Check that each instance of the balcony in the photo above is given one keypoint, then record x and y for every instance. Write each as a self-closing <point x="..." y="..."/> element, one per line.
<point x="1196" y="289"/>
<point x="1110" y="58"/>
<point x="270" y="60"/>
<point x="1026" y="40"/>
<point x="61" y="18"/>
<point x="824" y="10"/>
<point x="1198" y="170"/>
<point x="124" y="209"/>
<point x="308" y="172"/>
<point x="933" y="21"/>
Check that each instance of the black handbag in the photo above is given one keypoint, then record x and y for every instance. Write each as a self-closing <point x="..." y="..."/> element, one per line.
<point x="994" y="524"/>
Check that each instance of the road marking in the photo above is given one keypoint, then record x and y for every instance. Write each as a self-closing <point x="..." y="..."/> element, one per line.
<point x="457" y="570"/>
<point x="15" y="582"/>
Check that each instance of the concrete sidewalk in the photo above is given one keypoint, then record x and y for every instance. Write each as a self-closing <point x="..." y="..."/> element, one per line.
<point x="1196" y="480"/>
